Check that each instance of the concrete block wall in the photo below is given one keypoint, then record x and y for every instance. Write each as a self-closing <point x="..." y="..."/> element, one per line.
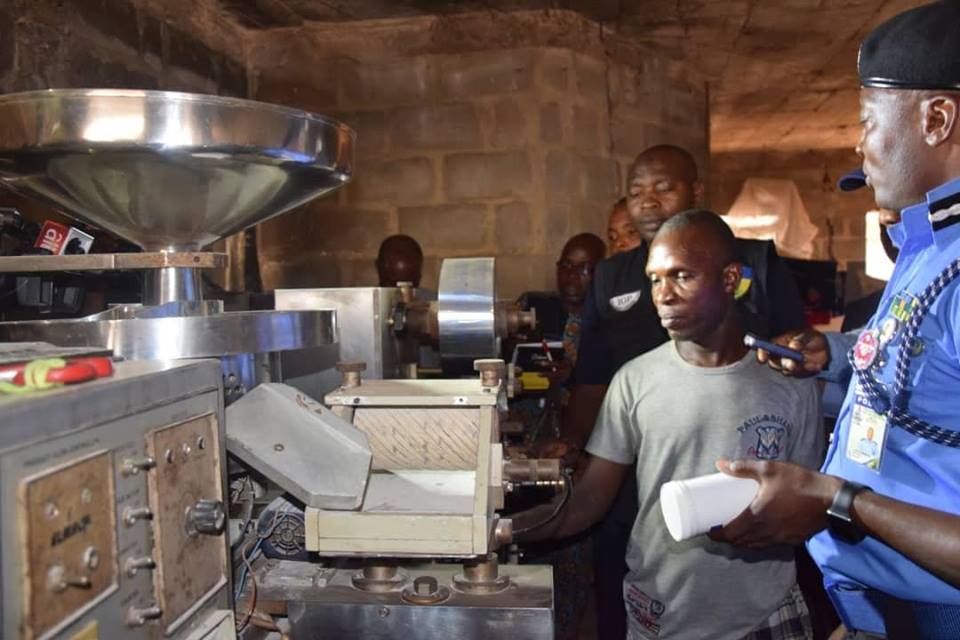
<point x="837" y="214"/>
<point x="505" y="148"/>
<point x="113" y="44"/>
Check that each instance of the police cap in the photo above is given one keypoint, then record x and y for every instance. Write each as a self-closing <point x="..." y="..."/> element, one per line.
<point x="917" y="49"/>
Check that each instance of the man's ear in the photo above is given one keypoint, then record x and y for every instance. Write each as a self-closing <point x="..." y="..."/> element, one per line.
<point x="940" y="113"/>
<point x="731" y="277"/>
<point x="698" y="191"/>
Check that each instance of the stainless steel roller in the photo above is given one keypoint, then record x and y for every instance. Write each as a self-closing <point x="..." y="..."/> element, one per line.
<point x="467" y="313"/>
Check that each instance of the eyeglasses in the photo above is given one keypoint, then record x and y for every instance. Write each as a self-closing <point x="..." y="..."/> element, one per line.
<point x="583" y="269"/>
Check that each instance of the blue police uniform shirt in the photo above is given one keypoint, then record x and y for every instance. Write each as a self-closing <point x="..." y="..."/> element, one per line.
<point x="911" y="469"/>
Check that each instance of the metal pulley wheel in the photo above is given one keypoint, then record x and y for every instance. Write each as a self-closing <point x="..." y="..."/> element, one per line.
<point x="467" y="313"/>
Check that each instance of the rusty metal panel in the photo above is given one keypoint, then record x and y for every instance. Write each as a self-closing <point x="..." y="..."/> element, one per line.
<point x="69" y="541"/>
<point x="190" y="568"/>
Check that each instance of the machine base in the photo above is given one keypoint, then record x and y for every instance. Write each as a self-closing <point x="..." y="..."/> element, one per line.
<point x="318" y="599"/>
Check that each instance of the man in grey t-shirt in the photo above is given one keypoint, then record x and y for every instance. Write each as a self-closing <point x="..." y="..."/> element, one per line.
<point x="676" y="410"/>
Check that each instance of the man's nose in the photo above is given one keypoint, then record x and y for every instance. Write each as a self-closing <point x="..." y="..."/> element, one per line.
<point x="663" y="294"/>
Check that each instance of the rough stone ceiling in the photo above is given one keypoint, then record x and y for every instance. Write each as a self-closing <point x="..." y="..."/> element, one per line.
<point x="782" y="73"/>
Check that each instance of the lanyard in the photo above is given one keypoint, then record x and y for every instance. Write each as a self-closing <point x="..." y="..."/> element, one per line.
<point x="895" y="407"/>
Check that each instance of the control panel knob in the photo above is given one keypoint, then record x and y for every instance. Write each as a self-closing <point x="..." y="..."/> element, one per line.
<point x="58" y="580"/>
<point x="138" y="616"/>
<point x="133" y="466"/>
<point x="134" y="564"/>
<point x="206" y="516"/>
<point x="132" y="514"/>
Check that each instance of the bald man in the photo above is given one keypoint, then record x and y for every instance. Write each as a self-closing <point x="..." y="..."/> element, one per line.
<point x="668" y="411"/>
<point x="621" y="323"/>
<point x="400" y="259"/>
<point x="622" y="234"/>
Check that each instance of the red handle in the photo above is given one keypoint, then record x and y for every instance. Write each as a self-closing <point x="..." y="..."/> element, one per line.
<point x="77" y="370"/>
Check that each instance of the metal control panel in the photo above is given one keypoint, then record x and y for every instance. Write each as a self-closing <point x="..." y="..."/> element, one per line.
<point x="111" y="507"/>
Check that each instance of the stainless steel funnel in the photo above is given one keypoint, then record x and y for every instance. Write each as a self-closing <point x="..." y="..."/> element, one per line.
<point x="168" y="171"/>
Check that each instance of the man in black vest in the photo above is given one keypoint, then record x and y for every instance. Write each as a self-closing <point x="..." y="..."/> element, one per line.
<point x="621" y="323"/>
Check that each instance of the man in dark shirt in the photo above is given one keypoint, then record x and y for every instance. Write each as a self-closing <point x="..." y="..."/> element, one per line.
<point x="621" y="323"/>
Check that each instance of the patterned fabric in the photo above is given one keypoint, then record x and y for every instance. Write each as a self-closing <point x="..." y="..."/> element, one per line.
<point x="896" y="405"/>
<point x="790" y="622"/>
<point x="571" y="337"/>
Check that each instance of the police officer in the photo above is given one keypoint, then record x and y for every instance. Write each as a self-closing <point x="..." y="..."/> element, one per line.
<point x="621" y="323"/>
<point x="886" y="525"/>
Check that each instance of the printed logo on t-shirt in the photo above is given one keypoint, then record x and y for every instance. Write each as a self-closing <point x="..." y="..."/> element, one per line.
<point x="625" y="301"/>
<point x="763" y="437"/>
<point x="644" y="610"/>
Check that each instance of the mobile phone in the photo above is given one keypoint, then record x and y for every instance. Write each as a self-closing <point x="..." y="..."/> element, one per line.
<point x="753" y="342"/>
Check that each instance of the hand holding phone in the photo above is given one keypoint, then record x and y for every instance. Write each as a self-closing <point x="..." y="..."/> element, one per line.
<point x="753" y="342"/>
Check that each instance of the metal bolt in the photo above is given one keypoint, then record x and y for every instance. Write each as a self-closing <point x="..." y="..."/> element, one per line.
<point x="351" y="373"/>
<point x="503" y="532"/>
<point x="137" y="617"/>
<point x="133" y="565"/>
<point x="50" y="510"/>
<point x="133" y="466"/>
<point x="383" y="612"/>
<point x="491" y="371"/>
<point x="425" y="585"/>
<point x="91" y="558"/>
<point x="168" y="455"/>
<point x="86" y="496"/>
<point x="132" y="514"/>
<point x="185" y="449"/>
<point x="278" y="447"/>
<point x="201" y="443"/>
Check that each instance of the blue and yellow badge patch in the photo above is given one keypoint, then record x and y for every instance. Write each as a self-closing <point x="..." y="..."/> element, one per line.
<point x="902" y="306"/>
<point x="746" y="279"/>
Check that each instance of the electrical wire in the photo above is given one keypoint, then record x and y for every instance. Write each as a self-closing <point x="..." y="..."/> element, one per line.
<point x="567" y="490"/>
<point x="278" y="517"/>
<point x="253" y="589"/>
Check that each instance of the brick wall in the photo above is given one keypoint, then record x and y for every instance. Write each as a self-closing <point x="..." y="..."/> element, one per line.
<point x="505" y="141"/>
<point x="838" y="215"/>
<point x="112" y="44"/>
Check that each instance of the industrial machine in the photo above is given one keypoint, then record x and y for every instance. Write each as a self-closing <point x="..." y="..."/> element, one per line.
<point x="384" y="479"/>
<point x="95" y="543"/>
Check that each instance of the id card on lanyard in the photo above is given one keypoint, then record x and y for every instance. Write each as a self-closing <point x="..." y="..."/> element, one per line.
<point x="867" y="434"/>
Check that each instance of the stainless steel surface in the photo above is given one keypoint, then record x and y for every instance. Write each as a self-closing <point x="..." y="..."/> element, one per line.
<point x="301" y="445"/>
<point x="112" y="261"/>
<point x="168" y="171"/>
<point x="171" y="284"/>
<point x="523" y="610"/>
<point x="17" y="352"/>
<point x="365" y="310"/>
<point x="167" y="310"/>
<point x="184" y="337"/>
<point x="50" y="430"/>
<point x="467" y="300"/>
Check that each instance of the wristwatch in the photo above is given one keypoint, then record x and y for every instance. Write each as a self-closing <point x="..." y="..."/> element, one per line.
<point x="839" y="520"/>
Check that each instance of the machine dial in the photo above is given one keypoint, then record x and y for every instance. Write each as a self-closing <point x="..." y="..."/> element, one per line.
<point x="207" y="517"/>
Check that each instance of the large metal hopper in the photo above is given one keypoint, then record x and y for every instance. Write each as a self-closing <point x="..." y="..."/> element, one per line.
<point x="171" y="172"/>
<point x="168" y="171"/>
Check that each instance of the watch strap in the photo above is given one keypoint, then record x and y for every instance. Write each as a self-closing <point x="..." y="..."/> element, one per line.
<point x="839" y="517"/>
